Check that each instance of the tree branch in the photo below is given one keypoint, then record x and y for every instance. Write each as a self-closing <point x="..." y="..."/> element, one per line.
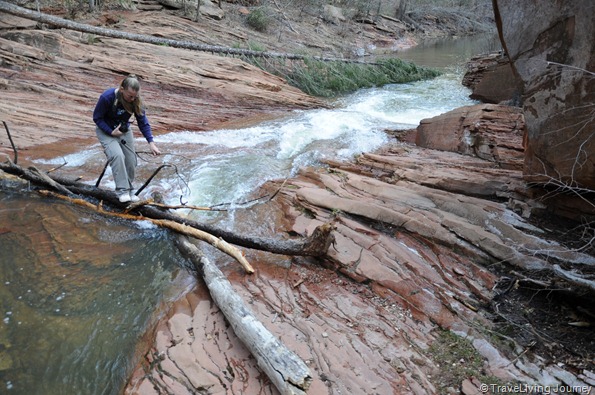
<point x="67" y="24"/>
<point x="315" y="245"/>
<point x="283" y="367"/>
<point x="220" y="244"/>
<point x="14" y="149"/>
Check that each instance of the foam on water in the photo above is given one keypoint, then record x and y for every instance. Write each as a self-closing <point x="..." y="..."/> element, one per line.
<point x="225" y="165"/>
<point x="230" y="138"/>
<point x="76" y="159"/>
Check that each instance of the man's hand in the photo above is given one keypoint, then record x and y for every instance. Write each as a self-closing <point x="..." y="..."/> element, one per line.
<point x="154" y="148"/>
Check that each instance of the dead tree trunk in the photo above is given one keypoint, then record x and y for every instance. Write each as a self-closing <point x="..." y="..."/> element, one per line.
<point x="316" y="244"/>
<point x="283" y="367"/>
<point x="67" y="24"/>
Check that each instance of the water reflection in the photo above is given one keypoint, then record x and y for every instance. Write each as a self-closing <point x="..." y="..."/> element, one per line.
<point x="451" y="52"/>
<point x="76" y="294"/>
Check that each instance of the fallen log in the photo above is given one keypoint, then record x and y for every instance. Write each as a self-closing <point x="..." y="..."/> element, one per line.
<point x="288" y="373"/>
<point x="34" y="175"/>
<point x="143" y="38"/>
<point x="220" y="244"/>
<point x="316" y="244"/>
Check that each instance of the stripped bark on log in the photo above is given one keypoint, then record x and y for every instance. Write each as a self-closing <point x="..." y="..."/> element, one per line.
<point x="220" y="244"/>
<point x="316" y="244"/>
<point x="285" y="369"/>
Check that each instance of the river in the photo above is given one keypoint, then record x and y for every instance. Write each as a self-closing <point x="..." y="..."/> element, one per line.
<point x="78" y="291"/>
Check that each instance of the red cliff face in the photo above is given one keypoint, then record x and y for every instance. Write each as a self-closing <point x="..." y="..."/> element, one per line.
<point x="551" y="47"/>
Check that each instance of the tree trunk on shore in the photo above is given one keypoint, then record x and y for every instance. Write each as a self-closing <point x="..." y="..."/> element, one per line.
<point x="64" y="23"/>
<point x="285" y="369"/>
<point x="315" y="245"/>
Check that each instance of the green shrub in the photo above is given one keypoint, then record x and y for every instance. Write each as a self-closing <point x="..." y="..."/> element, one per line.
<point x="327" y="79"/>
<point x="458" y="360"/>
<point x="259" y="19"/>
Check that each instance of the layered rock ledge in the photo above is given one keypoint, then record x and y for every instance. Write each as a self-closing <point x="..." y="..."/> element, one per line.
<point x="51" y="79"/>
<point x="420" y="237"/>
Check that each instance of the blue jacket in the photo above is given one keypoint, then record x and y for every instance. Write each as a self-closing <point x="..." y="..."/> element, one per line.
<point x="107" y="116"/>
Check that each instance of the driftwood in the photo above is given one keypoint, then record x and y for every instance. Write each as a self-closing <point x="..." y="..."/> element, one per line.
<point x="34" y="175"/>
<point x="284" y="368"/>
<point x="220" y="244"/>
<point x="16" y="153"/>
<point x="288" y="373"/>
<point x="316" y="244"/>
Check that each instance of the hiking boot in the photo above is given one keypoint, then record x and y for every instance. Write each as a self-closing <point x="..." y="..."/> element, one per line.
<point x="134" y="198"/>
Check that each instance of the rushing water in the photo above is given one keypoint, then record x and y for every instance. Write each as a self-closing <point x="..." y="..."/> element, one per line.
<point x="78" y="291"/>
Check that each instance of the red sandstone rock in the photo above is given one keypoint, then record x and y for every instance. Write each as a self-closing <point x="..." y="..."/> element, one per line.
<point x="408" y="223"/>
<point x="183" y="90"/>
<point x="488" y="131"/>
<point x="554" y="55"/>
<point x="491" y="79"/>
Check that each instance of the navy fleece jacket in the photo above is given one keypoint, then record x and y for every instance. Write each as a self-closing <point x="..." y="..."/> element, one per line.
<point x="107" y="116"/>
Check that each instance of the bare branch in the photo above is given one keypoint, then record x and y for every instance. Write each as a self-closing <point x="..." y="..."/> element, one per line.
<point x="14" y="149"/>
<point x="218" y="243"/>
<point x="571" y="67"/>
<point x="574" y="278"/>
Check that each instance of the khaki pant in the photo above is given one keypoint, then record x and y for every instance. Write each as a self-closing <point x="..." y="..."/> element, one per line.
<point x="121" y="157"/>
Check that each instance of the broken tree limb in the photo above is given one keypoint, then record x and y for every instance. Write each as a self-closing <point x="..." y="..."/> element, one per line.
<point x="316" y="244"/>
<point x="14" y="148"/>
<point x="101" y="175"/>
<point x="220" y="244"/>
<point x="45" y="178"/>
<point x="575" y="278"/>
<point x="34" y="175"/>
<point x="143" y="38"/>
<point x="288" y="373"/>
